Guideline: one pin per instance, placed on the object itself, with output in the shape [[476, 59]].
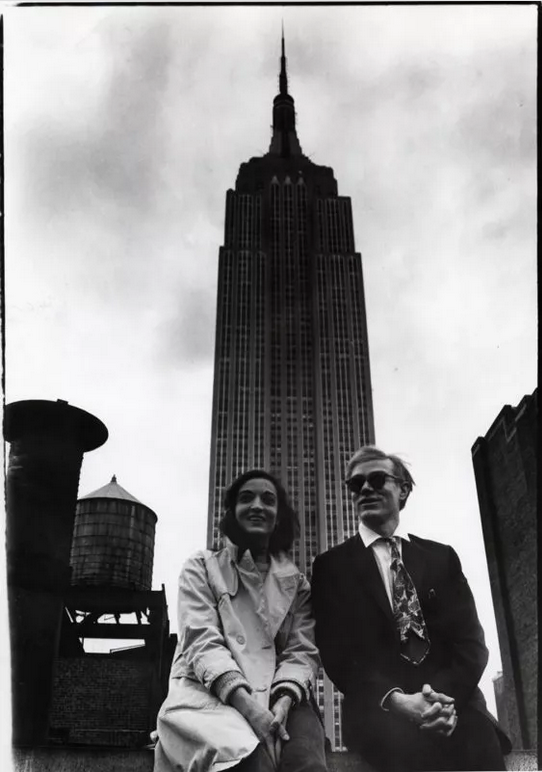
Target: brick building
[[100, 699], [505, 466]]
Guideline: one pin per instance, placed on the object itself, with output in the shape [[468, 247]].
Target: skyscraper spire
[[283, 77], [284, 141]]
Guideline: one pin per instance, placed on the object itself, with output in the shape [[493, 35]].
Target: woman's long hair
[[287, 525]]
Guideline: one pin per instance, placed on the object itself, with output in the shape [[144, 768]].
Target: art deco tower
[[292, 387]]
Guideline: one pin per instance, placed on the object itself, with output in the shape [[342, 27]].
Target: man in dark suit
[[399, 636]]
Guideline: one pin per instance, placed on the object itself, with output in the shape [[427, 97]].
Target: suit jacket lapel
[[366, 569], [414, 560]]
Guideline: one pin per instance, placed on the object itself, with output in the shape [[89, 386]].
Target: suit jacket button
[[240, 639]]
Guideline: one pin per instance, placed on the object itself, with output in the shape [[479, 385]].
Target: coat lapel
[[280, 589], [364, 566], [222, 571]]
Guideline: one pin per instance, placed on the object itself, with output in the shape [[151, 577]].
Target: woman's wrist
[[224, 686], [286, 698], [291, 688], [241, 700]]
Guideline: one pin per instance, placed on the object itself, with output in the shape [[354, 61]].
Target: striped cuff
[[291, 688], [385, 697], [227, 683]]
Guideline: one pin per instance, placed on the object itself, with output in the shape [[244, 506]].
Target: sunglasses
[[376, 480]]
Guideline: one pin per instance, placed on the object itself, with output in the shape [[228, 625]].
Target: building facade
[[292, 387], [505, 466]]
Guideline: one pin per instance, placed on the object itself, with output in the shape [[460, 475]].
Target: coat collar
[[368, 536], [280, 586], [280, 564], [280, 589]]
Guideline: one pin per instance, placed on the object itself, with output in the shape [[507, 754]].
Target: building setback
[[292, 387], [505, 466]]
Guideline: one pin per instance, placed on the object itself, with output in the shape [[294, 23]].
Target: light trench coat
[[231, 620]]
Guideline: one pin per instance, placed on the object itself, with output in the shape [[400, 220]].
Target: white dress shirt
[[382, 552]]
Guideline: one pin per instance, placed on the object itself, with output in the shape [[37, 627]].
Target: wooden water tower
[[115, 650], [113, 540]]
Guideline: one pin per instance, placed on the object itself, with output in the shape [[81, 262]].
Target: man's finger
[[440, 725], [438, 721], [433, 696], [447, 710], [430, 694], [446, 732], [452, 728], [434, 710], [443, 698]]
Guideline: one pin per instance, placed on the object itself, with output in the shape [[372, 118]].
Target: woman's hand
[[280, 710], [267, 725]]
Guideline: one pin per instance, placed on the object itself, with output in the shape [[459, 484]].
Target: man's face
[[378, 508]]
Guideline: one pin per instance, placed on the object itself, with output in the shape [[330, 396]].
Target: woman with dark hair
[[240, 694]]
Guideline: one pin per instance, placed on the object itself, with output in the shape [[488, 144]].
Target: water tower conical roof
[[112, 491], [113, 540]]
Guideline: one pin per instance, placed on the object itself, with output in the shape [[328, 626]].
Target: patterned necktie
[[407, 611]]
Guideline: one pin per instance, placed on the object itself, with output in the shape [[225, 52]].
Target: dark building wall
[[505, 465], [501, 703], [103, 700]]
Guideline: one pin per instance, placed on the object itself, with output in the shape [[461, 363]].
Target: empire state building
[[292, 385]]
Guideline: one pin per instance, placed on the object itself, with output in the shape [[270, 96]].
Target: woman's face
[[256, 508]]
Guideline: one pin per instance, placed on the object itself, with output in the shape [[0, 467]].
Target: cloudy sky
[[124, 127]]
